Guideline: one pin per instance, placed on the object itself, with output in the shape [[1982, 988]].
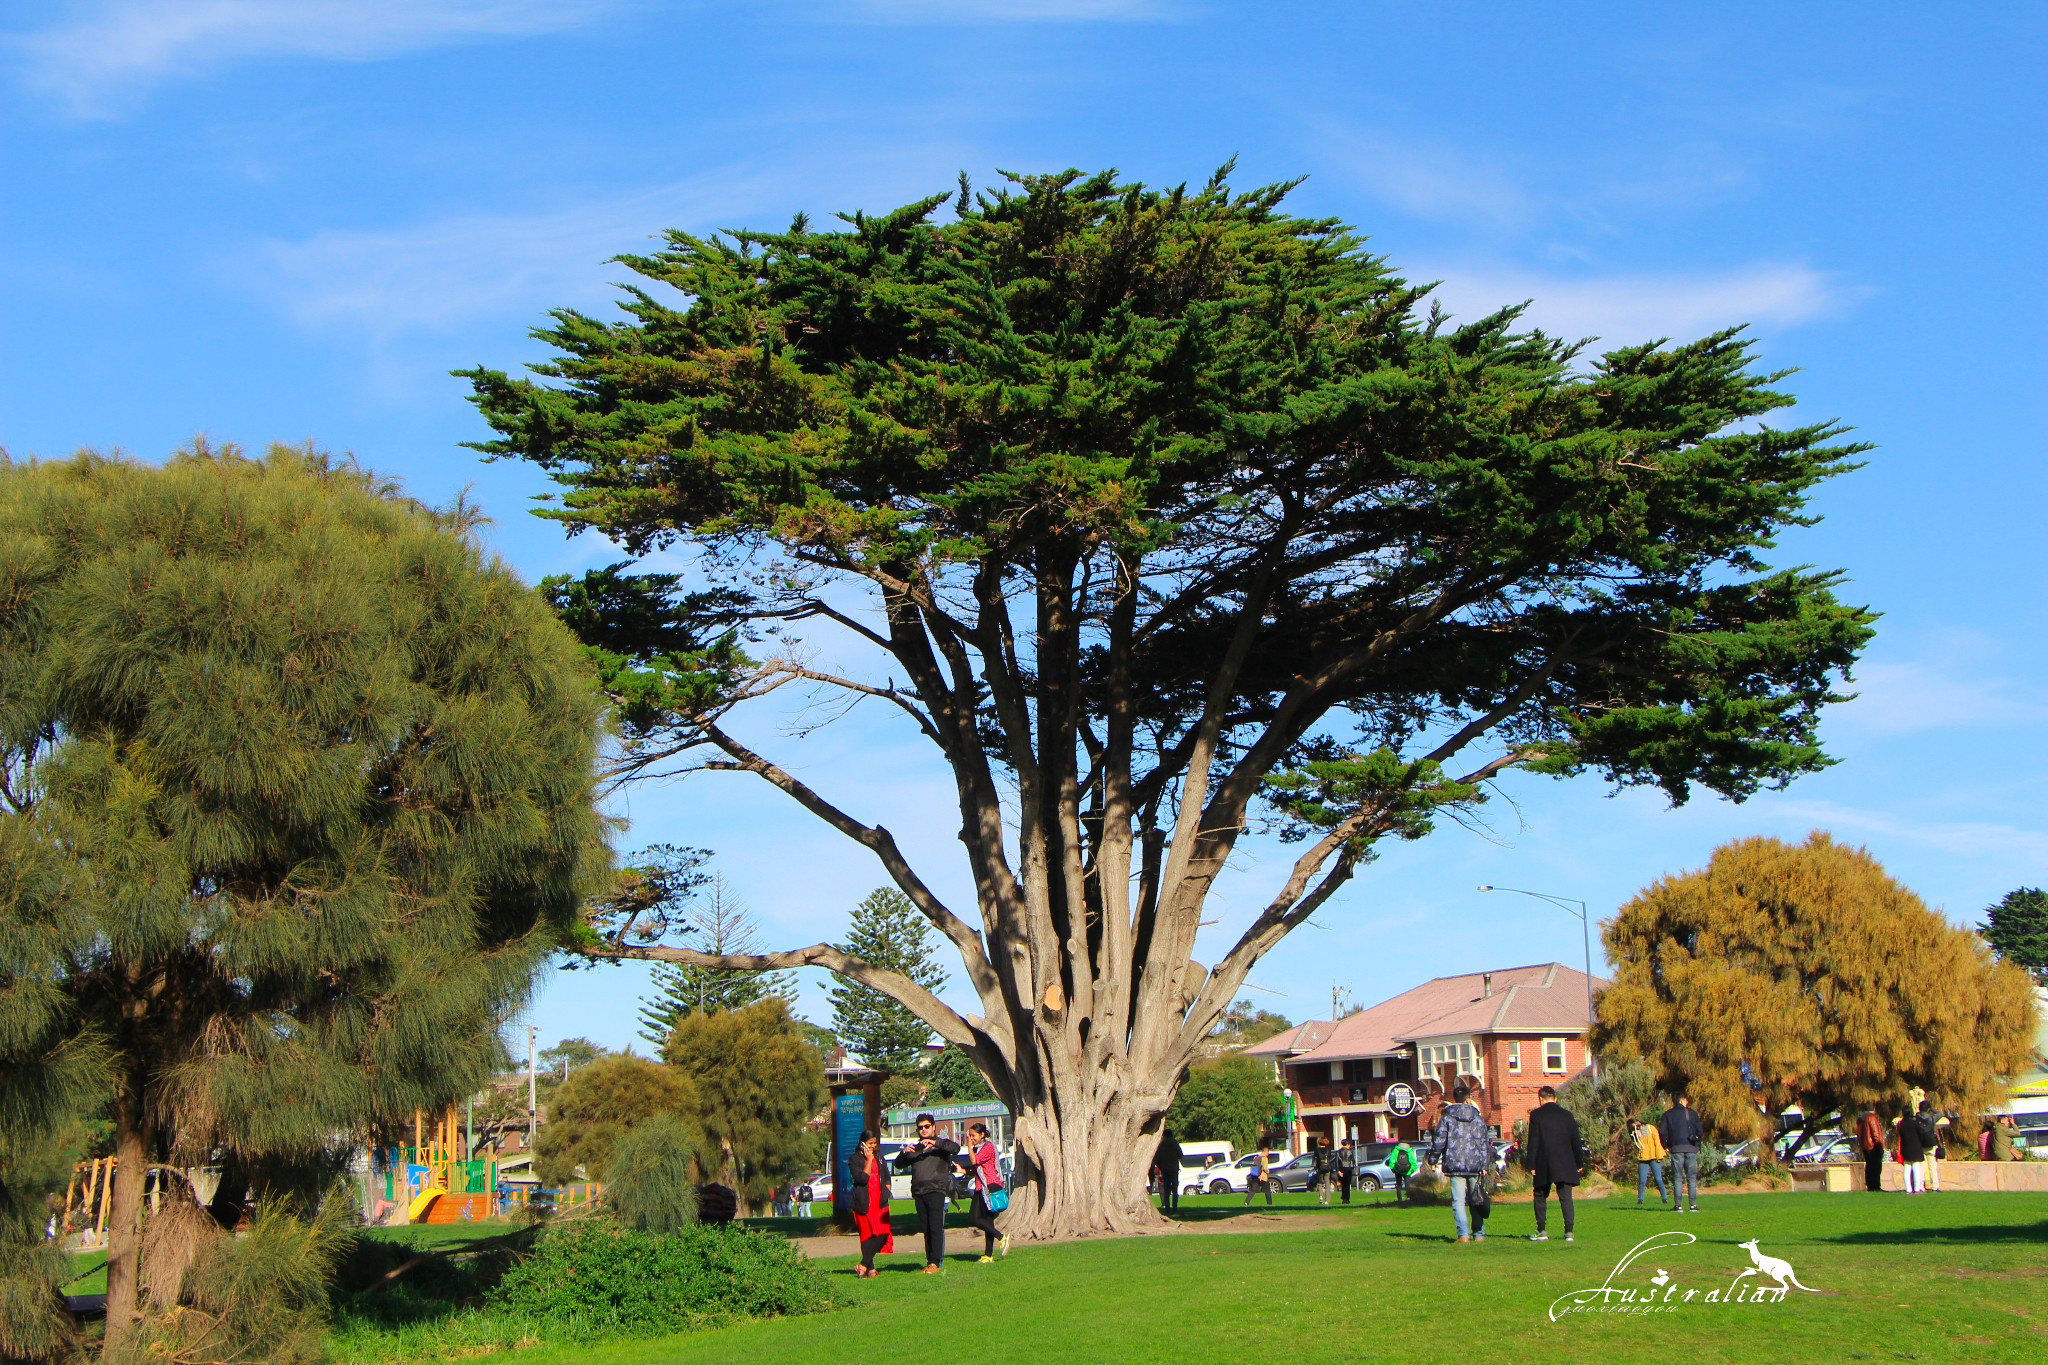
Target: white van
[[1198, 1157]]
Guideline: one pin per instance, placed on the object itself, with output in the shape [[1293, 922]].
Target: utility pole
[[532, 1090]]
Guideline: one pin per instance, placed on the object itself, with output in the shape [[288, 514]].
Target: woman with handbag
[[990, 1198], [868, 1183]]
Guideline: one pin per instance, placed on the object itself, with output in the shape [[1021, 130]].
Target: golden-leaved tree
[[1801, 974]]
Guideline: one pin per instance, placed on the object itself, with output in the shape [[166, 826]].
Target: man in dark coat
[[1166, 1160], [1683, 1133], [1553, 1158], [1870, 1134], [930, 1163]]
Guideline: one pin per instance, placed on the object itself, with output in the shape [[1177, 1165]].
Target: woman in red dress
[[869, 1184]]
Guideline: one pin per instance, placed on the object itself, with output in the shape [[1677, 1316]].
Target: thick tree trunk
[[124, 1224], [1080, 1168]]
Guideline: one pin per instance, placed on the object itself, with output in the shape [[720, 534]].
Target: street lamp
[[1585, 936]]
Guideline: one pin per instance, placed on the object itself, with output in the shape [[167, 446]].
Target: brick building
[[1504, 1033]]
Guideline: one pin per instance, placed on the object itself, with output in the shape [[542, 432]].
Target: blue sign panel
[[849, 1118]]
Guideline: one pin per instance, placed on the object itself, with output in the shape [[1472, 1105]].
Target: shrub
[[255, 1299], [600, 1278], [648, 1183]]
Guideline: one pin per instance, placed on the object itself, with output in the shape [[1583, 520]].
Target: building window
[[1514, 1059], [1553, 1056], [1379, 1068]]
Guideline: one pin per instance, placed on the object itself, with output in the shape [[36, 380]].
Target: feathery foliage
[[888, 932], [649, 1182], [1811, 970], [597, 1106], [298, 801], [758, 1083]]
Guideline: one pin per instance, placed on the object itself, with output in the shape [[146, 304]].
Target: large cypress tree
[[298, 802], [1154, 505], [888, 932]]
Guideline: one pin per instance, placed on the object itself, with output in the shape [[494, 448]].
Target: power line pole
[[532, 1090]]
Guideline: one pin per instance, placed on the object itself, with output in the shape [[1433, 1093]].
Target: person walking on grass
[[1166, 1160], [1326, 1170], [1462, 1150], [868, 1187], [1554, 1159], [1257, 1179], [1347, 1166], [1909, 1145], [988, 1183], [1682, 1132], [1870, 1137], [930, 1163], [1930, 1141], [1401, 1161], [1649, 1160]]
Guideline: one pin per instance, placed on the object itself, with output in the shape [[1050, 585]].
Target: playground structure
[[435, 1180], [431, 1181], [441, 1184]]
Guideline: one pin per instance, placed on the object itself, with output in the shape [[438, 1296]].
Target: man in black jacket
[[1683, 1133], [1553, 1158], [1166, 1161], [930, 1163]]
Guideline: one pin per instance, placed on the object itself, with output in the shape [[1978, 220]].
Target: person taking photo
[[930, 1163]]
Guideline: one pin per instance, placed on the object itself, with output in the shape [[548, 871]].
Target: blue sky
[[283, 219]]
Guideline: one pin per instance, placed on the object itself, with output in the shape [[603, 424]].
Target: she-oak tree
[[1158, 505]]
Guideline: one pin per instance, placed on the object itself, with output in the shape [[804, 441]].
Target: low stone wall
[[2029, 1176]]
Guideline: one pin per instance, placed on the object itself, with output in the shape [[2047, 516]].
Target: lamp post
[[1585, 937]]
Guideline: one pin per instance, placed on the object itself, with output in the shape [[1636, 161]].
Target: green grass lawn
[[1944, 1277]]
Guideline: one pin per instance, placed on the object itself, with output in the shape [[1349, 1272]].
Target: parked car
[[2034, 1141], [1827, 1149], [821, 1186], [1197, 1159], [1226, 1177], [1743, 1153], [1373, 1171]]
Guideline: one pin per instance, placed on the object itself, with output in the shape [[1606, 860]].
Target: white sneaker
[[1569, 1238], [1539, 1236]]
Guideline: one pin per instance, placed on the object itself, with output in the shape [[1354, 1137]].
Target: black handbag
[[1479, 1197]]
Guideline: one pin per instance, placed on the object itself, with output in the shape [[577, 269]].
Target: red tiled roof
[[1300, 1038], [1548, 997]]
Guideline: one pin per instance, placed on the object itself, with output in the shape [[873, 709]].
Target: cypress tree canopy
[[297, 785]]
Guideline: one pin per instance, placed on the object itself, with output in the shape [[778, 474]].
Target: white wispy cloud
[[1961, 838], [1639, 305], [1949, 688], [103, 55], [442, 274]]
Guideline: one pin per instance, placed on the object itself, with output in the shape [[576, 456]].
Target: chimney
[[1486, 983]]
